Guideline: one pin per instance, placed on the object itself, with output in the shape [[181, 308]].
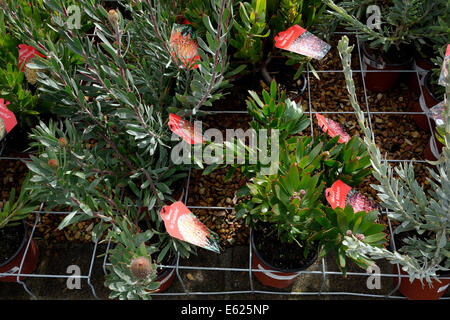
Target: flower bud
[[141, 268], [360, 236], [348, 233], [53, 163], [62, 142], [31, 75], [325, 154], [113, 17]]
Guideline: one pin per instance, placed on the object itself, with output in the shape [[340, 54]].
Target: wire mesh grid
[[323, 273]]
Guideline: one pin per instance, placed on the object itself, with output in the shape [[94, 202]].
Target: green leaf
[[374, 237], [243, 191]]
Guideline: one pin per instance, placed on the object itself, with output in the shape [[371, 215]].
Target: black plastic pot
[[299, 90], [272, 276], [12, 264], [284, 78], [379, 81]]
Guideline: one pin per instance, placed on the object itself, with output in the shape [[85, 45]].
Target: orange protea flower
[[183, 43], [53, 163]]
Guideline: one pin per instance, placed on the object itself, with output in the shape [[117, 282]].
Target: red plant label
[[301, 41], [185, 130], [340, 194], [444, 71], [181, 224], [333, 128], [337, 194], [184, 45], [26, 53], [7, 119]]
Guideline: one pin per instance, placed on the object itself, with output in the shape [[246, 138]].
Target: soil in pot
[[17, 142], [433, 89], [376, 60], [277, 264], [12, 252], [284, 76], [235, 99], [12, 238], [283, 256]]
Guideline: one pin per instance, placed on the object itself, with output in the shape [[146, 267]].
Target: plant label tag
[[184, 45], [26, 53], [437, 113], [182, 224], [337, 194], [443, 288], [7, 119], [301, 41], [340, 194], [185, 130], [444, 71], [333, 128]]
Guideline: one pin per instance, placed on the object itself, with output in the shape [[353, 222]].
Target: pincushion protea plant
[[132, 272], [426, 249], [112, 160]]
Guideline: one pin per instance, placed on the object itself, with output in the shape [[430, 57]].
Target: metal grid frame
[[323, 273]]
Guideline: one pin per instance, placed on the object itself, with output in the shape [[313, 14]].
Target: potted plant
[[424, 62], [291, 223], [405, 25], [252, 38], [291, 227], [18, 82], [15, 255], [431, 93], [110, 158], [134, 271], [422, 245]]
